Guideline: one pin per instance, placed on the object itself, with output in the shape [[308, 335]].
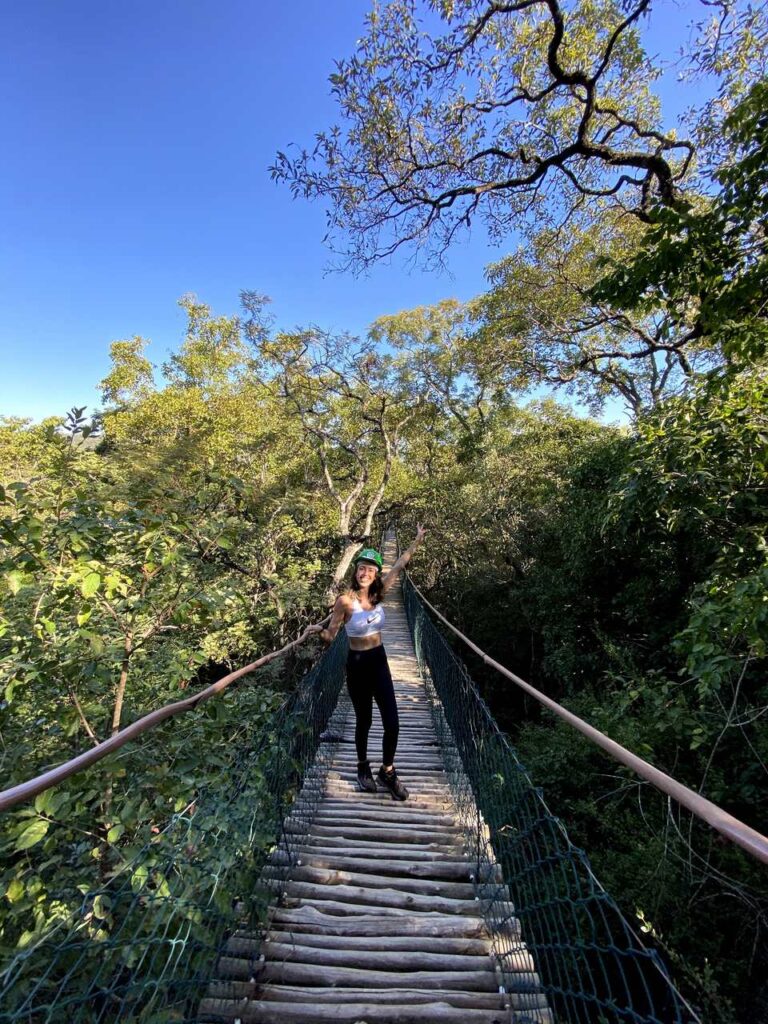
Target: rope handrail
[[32, 787], [737, 831]]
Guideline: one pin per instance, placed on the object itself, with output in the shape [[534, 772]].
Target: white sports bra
[[364, 622]]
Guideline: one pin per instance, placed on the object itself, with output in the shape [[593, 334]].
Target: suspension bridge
[[466, 903]]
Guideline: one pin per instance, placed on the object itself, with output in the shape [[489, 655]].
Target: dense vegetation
[[626, 576], [208, 513]]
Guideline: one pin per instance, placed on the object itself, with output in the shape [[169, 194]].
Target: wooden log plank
[[345, 912], [423, 866], [382, 807], [431, 786], [436, 779], [380, 898], [422, 943], [417, 741], [410, 763], [396, 819], [447, 849], [342, 908], [418, 737], [407, 851], [422, 886], [413, 765], [278, 877], [408, 815], [386, 817], [421, 783], [342, 799], [416, 751], [521, 970], [375, 960], [418, 788], [371, 924], [332, 792], [240, 990], [420, 741], [418, 718], [388, 830], [349, 1013], [349, 790], [308, 974], [382, 834], [448, 870], [420, 797]]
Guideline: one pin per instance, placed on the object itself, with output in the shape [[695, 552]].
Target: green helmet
[[369, 555]]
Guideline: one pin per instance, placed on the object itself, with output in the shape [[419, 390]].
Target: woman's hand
[[322, 633], [420, 533]]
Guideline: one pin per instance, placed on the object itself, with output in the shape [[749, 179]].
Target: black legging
[[369, 679]]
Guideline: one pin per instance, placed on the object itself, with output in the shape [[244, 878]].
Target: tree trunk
[[351, 548], [117, 713]]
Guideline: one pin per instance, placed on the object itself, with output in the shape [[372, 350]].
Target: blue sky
[[136, 140]]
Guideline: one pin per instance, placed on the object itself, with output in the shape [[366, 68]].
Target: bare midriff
[[364, 643]]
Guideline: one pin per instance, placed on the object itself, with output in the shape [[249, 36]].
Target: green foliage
[[701, 471], [515, 113], [625, 575], [541, 324], [130, 378], [199, 522], [191, 537], [706, 261]]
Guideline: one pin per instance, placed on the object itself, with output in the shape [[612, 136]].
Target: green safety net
[[143, 946], [588, 961]]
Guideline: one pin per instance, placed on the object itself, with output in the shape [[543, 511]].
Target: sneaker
[[392, 783], [365, 778]]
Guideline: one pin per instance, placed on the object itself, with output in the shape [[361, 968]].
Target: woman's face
[[365, 573]]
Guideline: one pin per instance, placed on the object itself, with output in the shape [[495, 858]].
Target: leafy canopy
[[516, 110]]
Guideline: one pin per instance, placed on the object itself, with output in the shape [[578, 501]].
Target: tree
[[216, 416], [730, 46], [701, 472], [540, 325], [353, 405], [131, 376], [436, 341], [541, 322], [624, 574], [215, 351], [707, 263], [24, 447], [519, 110]]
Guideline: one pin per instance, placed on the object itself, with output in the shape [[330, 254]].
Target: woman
[[368, 675]]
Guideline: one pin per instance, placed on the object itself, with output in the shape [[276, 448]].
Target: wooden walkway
[[378, 920]]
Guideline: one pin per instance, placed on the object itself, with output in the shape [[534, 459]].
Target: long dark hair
[[375, 590]]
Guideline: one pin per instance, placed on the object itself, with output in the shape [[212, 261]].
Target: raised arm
[[391, 577], [337, 617]]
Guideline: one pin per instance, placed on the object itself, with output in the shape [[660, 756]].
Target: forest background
[[215, 505]]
